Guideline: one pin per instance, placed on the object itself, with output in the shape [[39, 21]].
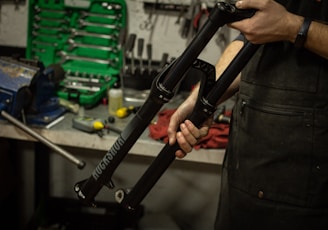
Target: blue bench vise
[[28, 90]]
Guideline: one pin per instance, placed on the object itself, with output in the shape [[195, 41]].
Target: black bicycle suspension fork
[[161, 92], [204, 108]]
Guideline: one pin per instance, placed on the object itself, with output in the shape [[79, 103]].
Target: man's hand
[[271, 22], [189, 134]]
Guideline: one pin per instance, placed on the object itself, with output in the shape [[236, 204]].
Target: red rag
[[217, 136], [158, 131]]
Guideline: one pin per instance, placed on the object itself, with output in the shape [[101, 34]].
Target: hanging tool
[[181, 13], [37, 10], [44, 43], [200, 17], [163, 62], [130, 52], [84, 14], [67, 57], [148, 24], [163, 90], [47, 35], [151, 33], [73, 44], [140, 46], [50, 19], [148, 71], [51, 28], [83, 23], [121, 46], [188, 20], [77, 33]]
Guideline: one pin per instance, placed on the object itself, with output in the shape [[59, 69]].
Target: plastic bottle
[[115, 98]]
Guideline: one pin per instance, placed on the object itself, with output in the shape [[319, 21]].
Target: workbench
[[200, 166], [64, 135]]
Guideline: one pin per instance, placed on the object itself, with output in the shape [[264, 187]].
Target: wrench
[[66, 57], [58, 20], [88, 14], [81, 87], [84, 23], [139, 52], [74, 44], [81, 79], [39, 10], [37, 27], [86, 79], [36, 34], [44, 43], [91, 86], [35, 50], [149, 56], [76, 33]]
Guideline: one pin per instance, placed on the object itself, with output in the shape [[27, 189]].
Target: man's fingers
[[171, 130], [193, 129], [180, 154], [190, 132], [184, 143]]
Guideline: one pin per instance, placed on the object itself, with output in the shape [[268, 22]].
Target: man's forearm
[[317, 39], [228, 55], [317, 35]]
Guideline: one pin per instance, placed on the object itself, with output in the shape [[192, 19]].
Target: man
[[275, 173]]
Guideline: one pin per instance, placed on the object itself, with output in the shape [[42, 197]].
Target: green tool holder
[[84, 37]]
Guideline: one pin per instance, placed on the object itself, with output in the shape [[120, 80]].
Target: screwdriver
[[93, 125], [126, 111], [88, 124]]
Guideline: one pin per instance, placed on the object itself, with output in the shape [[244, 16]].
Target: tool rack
[[82, 36]]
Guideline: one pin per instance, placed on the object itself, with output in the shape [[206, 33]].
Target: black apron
[[275, 173]]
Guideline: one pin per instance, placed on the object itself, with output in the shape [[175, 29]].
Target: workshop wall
[[166, 35]]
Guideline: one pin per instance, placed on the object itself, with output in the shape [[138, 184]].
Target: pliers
[[200, 17]]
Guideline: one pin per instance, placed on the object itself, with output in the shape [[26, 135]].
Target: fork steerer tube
[[220, 15], [161, 92], [200, 113]]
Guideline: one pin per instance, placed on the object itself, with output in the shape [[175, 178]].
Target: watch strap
[[302, 34]]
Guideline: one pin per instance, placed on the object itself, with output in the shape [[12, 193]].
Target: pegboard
[[166, 34]]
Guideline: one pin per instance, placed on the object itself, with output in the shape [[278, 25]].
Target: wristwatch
[[302, 34]]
